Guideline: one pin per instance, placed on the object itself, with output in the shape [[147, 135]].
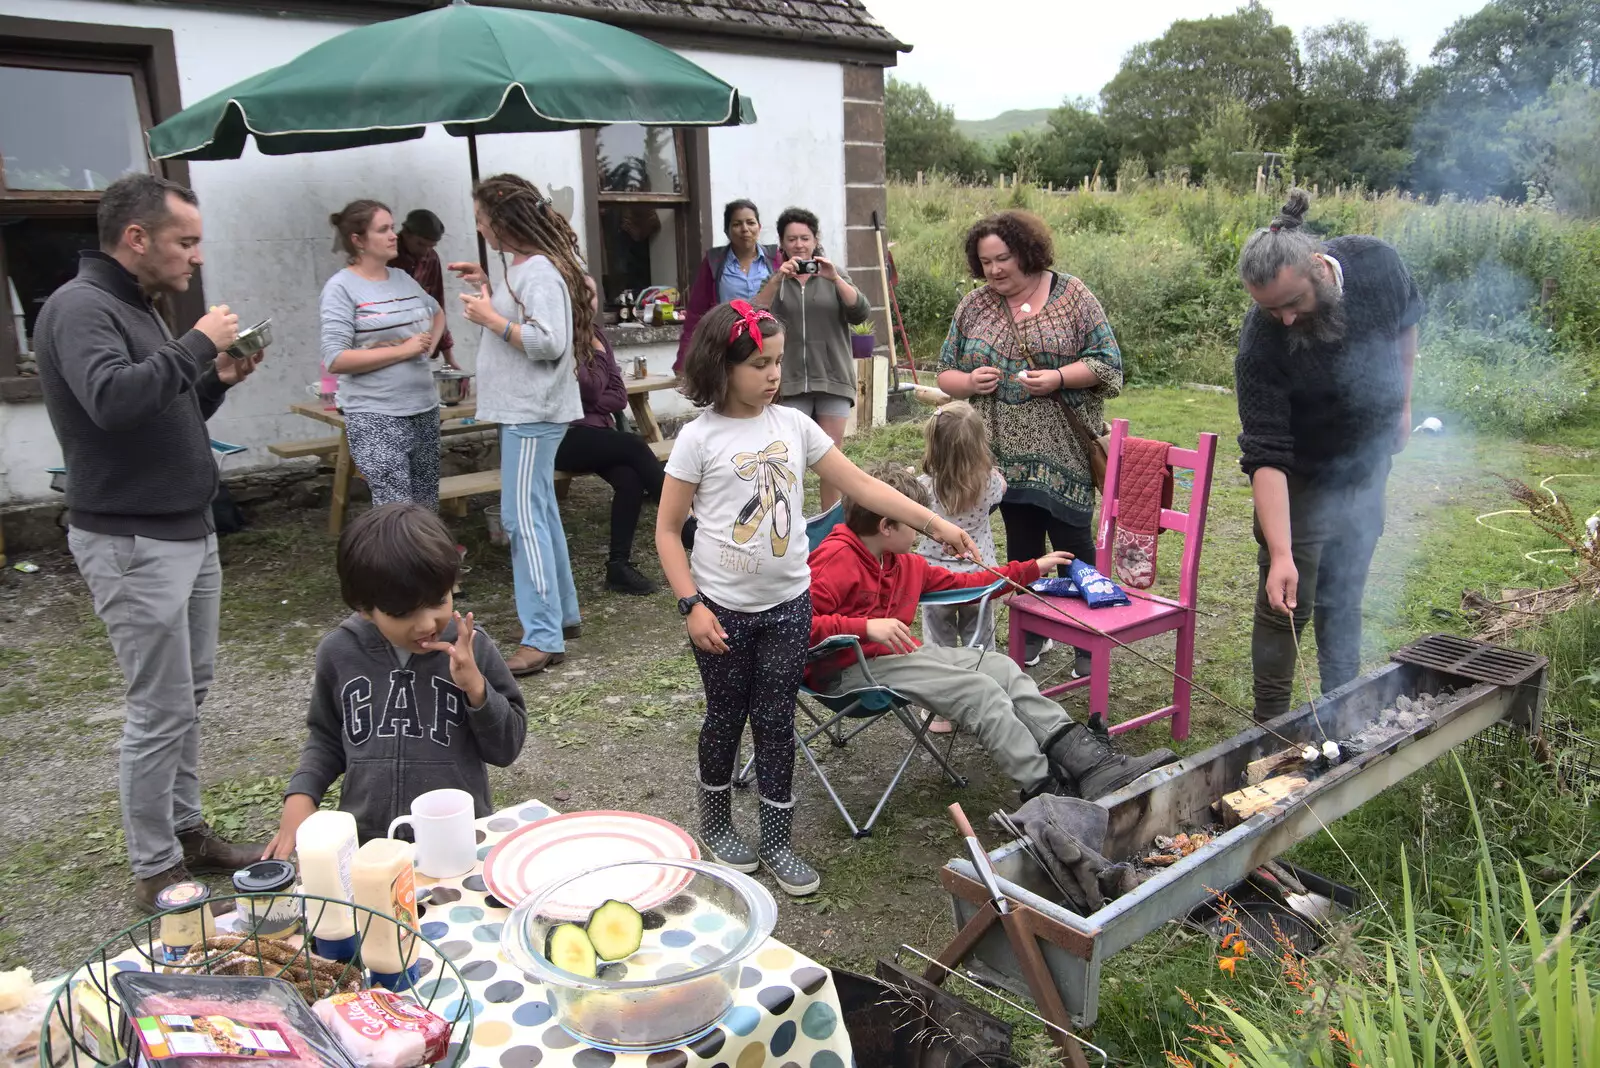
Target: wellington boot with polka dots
[[795, 877], [722, 841]]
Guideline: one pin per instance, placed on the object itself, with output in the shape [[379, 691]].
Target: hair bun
[[336, 218], [1294, 210]]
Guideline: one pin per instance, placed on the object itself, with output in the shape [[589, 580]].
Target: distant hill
[[1003, 124]]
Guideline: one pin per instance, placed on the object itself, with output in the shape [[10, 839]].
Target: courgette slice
[[567, 946], [616, 930]]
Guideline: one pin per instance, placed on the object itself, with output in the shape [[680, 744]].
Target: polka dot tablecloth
[[785, 1013]]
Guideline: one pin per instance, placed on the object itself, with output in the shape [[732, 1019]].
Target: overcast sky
[[983, 57]]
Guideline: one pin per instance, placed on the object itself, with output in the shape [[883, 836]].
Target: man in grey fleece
[[129, 404]]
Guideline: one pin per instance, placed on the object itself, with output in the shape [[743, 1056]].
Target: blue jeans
[[547, 599]]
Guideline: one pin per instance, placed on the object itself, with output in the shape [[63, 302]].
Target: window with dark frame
[[645, 217], [75, 102]]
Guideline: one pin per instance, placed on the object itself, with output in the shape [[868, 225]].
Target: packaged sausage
[[218, 1021]]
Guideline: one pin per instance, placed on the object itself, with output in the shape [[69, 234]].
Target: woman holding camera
[[817, 305]]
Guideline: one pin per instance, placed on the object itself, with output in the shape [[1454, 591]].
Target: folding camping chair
[[842, 716]]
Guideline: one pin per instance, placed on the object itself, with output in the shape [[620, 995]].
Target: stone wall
[[260, 492]]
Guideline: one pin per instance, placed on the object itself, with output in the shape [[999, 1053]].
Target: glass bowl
[[701, 921]]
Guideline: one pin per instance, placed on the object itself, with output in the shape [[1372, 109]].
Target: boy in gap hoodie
[[866, 581], [409, 697]]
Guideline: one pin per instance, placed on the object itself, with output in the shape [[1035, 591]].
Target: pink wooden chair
[[1148, 615]]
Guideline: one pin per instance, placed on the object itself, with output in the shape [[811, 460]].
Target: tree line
[[1508, 107]]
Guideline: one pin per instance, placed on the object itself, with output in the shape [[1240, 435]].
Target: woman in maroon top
[[594, 445]]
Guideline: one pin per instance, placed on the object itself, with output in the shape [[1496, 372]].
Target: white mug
[[441, 822]]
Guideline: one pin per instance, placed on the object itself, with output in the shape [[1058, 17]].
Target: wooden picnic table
[[462, 418]]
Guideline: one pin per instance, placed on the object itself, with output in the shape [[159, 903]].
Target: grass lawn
[[615, 726]]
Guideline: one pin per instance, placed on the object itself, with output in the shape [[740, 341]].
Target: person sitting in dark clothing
[[594, 445]]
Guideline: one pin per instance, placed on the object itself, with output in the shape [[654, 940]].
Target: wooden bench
[[296, 450], [329, 447], [474, 483]]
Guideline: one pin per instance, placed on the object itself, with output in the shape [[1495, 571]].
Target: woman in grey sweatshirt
[[378, 334], [817, 303], [528, 383]]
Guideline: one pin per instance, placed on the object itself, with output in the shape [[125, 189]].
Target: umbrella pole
[[472, 162]]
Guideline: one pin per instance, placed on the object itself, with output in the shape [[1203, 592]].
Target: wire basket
[[1574, 757], [86, 1005], [1577, 757]]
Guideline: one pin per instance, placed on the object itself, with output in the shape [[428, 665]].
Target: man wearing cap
[[420, 233]]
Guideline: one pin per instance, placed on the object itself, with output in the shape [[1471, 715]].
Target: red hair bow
[[749, 322]]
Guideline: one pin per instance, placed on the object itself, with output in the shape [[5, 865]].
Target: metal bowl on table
[[701, 921], [251, 341], [454, 386]]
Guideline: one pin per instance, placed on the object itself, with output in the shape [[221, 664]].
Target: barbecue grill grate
[[1471, 659]]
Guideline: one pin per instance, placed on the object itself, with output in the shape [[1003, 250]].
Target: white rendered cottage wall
[[267, 239]]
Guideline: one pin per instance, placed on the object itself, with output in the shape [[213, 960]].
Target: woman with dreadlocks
[[528, 383]]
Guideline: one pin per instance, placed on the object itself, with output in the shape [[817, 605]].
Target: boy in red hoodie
[[866, 581]]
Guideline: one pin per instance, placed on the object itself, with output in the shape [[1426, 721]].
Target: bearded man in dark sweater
[[129, 404], [1324, 383]]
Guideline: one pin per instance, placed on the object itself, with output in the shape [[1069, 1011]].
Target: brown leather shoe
[[205, 853], [145, 890], [530, 661]]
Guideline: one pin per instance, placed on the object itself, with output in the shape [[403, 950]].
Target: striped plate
[[543, 852]]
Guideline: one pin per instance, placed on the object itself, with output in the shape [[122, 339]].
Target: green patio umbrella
[[473, 69]]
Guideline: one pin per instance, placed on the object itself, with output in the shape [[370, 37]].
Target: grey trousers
[[159, 601], [1333, 534], [984, 692], [955, 624]]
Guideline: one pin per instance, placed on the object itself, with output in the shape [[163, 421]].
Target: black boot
[[623, 577], [1049, 785], [717, 831], [795, 876], [1081, 756]]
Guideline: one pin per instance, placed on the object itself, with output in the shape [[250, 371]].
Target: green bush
[[1095, 215], [1496, 381]]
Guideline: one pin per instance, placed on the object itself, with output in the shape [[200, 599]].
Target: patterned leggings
[[398, 455], [755, 680]]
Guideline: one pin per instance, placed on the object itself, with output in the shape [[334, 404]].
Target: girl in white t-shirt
[[745, 594]]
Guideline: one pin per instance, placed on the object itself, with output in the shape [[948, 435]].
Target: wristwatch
[[686, 604]]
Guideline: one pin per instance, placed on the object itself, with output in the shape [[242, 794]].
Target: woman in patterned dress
[[1066, 347]]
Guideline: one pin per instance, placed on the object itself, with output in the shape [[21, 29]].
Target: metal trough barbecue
[[1180, 797]]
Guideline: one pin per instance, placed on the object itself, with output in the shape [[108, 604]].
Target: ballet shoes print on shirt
[[771, 480]]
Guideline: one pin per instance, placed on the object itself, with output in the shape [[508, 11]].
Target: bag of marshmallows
[[379, 1029]]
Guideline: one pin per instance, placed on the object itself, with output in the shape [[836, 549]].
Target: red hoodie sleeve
[[831, 580], [936, 579]]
